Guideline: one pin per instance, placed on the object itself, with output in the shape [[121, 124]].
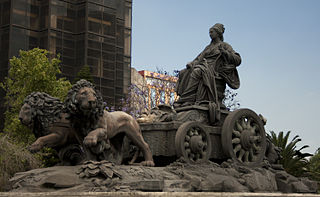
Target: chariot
[[238, 135]]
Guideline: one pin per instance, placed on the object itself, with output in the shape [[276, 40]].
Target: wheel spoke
[[239, 127], [256, 148], [205, 144], [242, 152], [246, 156], [235, 140], [187, 138], [251, 154], [255, 139], [243, 123], [249, 122], [236, 133], [237, 148], [253, 129]]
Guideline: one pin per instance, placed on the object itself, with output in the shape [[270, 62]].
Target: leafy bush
[[314, 168], [14, 158], [32, 71], [294, 161]]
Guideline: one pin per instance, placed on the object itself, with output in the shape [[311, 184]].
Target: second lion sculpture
[[43, 114], [97, 126]]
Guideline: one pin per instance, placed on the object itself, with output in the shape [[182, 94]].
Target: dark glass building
[[84, 32]]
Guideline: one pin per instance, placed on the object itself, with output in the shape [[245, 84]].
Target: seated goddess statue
[[205, 78]]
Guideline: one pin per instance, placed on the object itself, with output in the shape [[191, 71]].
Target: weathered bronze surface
[[100, 129], [205, 78], [50, 125], [195, 132]]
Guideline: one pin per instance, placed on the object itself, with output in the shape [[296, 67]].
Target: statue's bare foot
[[147, 163]]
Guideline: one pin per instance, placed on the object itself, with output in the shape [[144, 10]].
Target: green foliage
[[293, 160], [314, 168], [84, 73], [32, 71], [314, 165], [14, 158]]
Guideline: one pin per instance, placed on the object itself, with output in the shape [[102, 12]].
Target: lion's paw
[[147, 163], [90, 140], [35, 147]]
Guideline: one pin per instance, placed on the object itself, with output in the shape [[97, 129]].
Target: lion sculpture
[[43, 114], [98, 127]]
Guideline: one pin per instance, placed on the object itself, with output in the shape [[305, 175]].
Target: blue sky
[[279, 42]]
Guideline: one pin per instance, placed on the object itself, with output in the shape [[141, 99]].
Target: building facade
[[96, 33], [155, 88]]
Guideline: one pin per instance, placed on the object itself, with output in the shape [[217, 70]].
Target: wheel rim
[[193, 142], [243, 137]]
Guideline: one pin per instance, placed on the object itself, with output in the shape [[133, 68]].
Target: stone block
[[258, 182], [177, 186]]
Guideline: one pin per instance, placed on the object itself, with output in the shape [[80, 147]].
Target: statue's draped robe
[[208, 73]]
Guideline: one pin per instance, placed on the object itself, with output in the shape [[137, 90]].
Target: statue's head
[[42, 109], [84, 99], [217, 30]]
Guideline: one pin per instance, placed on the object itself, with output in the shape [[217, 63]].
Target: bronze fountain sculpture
[[83, 121], [197, 130]]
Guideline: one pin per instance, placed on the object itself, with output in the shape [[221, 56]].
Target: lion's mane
[[74, 110], [45, 111]]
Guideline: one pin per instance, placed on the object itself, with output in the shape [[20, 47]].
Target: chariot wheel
[[193, 142], [243, 137]]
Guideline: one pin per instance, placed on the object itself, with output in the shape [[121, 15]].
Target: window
[[172, 98], [162, 97], [5, 12], [152, 97], [94, 18]]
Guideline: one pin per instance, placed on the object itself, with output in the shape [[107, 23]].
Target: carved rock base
[[179, 176]]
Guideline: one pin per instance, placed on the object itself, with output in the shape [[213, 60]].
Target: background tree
[[314, 168], [84, 73], [156, 89], [32, 71], [293, 160], [164, 83], [14, 158], [230, 100]]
